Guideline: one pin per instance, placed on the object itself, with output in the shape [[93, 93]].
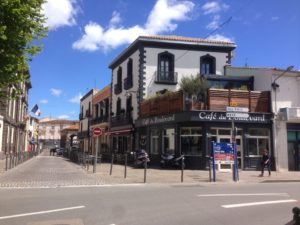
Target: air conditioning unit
[[290, 114]]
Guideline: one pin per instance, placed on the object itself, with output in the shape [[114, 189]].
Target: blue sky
[[86, 35]]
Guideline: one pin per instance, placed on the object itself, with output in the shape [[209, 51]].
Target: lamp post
[[274, 86]]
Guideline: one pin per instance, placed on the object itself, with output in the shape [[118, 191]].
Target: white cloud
[[274, 18], [161, 19], [219, 37], [115, 20], [44, 101], [76, 98], [214, 24], [55, 92], [60, 13], [214, 7], [63, 117]]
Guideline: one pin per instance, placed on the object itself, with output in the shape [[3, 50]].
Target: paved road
[[150, 204], [48, 171]]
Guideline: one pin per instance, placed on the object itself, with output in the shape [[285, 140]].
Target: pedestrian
[[265, 162]]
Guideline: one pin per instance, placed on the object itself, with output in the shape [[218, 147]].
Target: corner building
[[171, 122]]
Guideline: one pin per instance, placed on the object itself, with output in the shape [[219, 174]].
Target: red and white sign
[[97, 131]]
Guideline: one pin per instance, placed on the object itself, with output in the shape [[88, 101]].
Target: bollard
[[209, 167], [6, 162], [111, 164], [125, 170], [88, 162], [182, 168], [145, 171], [296, 216], [9, 160]]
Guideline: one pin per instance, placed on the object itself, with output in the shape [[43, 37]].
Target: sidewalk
[[172, 176]]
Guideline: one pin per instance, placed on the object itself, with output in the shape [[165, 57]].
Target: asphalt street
[[53, 191], [150, 204]]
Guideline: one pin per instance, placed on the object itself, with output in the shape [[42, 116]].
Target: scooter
[[141, 157], [169, 160]]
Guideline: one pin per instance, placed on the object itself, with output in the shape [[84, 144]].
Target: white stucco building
[[284, 85], [85, 117]]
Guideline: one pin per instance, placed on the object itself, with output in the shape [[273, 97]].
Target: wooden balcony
[[217, 100]]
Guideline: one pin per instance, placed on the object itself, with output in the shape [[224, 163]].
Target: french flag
[[36, 110]]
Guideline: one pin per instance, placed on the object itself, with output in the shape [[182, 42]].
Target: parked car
[[60, 151]]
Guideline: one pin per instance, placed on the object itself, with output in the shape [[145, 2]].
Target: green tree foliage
[[194, 86], [21, 24]]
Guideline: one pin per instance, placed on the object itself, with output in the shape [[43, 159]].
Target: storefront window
[[191, 140], [257, 140], [154, 141], [169, 140]]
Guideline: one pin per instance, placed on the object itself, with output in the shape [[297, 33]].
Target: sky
[[86, 35]]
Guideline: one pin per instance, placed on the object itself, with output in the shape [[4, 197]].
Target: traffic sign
[[239, 115], [97, 131], [237, 109]]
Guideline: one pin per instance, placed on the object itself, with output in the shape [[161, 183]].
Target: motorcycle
[[140, 158], [169, 160]]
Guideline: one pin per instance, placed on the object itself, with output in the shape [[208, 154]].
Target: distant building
[[50, 130], [32, 134], [68, 137], [100, 119], [13, 118], [85, 117]]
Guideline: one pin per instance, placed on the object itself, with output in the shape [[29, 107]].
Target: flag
[[36, 110]]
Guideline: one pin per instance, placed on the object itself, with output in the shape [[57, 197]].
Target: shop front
[[293, 136], [191, 134]]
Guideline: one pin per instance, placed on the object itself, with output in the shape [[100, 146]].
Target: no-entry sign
[[97, 131]]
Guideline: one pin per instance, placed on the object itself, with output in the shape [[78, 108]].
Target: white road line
[[246, 194], [258, 203], [41, 212]]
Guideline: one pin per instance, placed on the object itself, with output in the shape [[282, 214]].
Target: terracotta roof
[[72, 127], [185, 39]]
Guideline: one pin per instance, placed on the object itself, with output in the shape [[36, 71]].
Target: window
[[128, 104], [191, 140], [207, 65], [169, 141], [128, 81], [166, 68], [118, 106], [118, 85], [154, 147], [257, 140]]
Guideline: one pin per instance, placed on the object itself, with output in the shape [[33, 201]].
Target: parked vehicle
[[140, 157], [169, 160], [60, 151]]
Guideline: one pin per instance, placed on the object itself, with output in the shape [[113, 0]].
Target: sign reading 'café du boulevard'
[[199, 116], [223, 117], [157, 120]]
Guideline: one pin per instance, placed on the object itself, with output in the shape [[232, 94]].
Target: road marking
[[258, 203], [41, 212], [246, 194]]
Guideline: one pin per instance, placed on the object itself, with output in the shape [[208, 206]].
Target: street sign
[[237, 109], [97, 131], [239, 115]]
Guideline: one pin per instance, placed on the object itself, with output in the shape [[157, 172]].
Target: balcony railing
[[122, 119], [166, 77], [128, 83], [117, 89], [217, 100], [98, 120]]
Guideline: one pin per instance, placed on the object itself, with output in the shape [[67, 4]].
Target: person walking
[[265, 162]]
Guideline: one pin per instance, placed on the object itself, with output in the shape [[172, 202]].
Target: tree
[[21, 24], [195, 87]]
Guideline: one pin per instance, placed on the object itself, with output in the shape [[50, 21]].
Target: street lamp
[[274, 84]]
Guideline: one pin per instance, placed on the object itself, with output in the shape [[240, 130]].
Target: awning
[[117, 132]]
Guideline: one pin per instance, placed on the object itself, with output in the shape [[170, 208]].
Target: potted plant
[[195, 91]]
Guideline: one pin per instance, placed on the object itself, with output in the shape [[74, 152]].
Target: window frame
[[211, 61]]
